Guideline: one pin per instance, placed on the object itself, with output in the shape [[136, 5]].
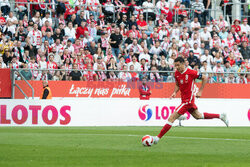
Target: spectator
[[228, 5], [245, 27], [198, 9], [245, 51], [134, 75], [21, 8], [206, 69], [148, 9], [75, 75], [93, 8], [142, 24], [81, 29], [5, 7], [136, 65], [230, 78], [154, 76], [70, 32], [195, 24], [144, 90], [164, 67], [192, 59], [124, 75], [207, 12], [115, 42]]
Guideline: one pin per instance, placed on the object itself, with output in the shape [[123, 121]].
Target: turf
[[121, 146]]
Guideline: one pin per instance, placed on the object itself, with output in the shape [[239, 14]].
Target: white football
[[147, 140]]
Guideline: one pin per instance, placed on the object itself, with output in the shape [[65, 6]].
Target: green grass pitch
[[121, 146]]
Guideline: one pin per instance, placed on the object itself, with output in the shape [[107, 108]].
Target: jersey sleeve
[[196, 75]]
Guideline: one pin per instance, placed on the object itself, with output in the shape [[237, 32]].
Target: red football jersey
[[186, 84]]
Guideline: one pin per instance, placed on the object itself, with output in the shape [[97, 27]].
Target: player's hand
[[173, 95], [198, 95]]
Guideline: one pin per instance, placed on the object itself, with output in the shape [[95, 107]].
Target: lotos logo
[[249, 114], [145, 113], [158, 112]]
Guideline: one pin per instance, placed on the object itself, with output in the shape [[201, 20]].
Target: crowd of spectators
[[84, 41]]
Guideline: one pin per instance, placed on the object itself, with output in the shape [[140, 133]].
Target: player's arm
[[203, 83], [176, 89]]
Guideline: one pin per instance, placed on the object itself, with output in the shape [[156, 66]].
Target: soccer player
[[185, 79]]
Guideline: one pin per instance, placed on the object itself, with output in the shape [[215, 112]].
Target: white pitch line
[[173, 137]]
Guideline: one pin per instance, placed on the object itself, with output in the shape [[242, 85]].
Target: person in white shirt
[[163, 32], [43, 63], [87, 38], [92, 29], [47, 18], [195, 24], [70, 31], [125, 76], [12, 19], [205, 36], [35, 37], [148, 9], [144, 55], [135, 47], [135, 63], [218, 58], [70, 47], [175, 32], [196, 50], [245, 27], [194, 40], [205, 69], [156, 49], [208, 58], [109, 7], [222, 23]]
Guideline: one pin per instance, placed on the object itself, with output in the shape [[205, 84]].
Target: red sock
[[210, 116], [165, 129]]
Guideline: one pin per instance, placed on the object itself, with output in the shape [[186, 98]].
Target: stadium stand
[[84, 38]]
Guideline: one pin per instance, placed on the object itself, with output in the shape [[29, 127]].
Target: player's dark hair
[[179, 59]]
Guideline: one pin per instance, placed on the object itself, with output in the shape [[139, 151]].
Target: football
[[147, 140]]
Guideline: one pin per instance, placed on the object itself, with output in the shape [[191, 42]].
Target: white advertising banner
[[116, 112]]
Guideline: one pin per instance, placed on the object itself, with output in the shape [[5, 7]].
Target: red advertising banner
[[107, 89], [5, 83]]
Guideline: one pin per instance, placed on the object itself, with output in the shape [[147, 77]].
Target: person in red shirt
[[81, 29], [89, 75], [236, 25], [2, 19], [185, 78], [136, 33], [142, 24], [144, 90]]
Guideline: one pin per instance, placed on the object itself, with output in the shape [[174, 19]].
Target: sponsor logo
[[157, 112], [36, 114], [145, 113]]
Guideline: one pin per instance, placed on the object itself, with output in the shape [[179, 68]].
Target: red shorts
[[184, 107]]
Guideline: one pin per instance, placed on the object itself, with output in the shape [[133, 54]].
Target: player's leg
[[198, 115], [178, 112]]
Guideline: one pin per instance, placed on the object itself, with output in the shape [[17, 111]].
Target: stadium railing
[[16, 75], [156, 10]]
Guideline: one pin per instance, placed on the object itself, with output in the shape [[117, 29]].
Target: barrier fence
[[120, 86]]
